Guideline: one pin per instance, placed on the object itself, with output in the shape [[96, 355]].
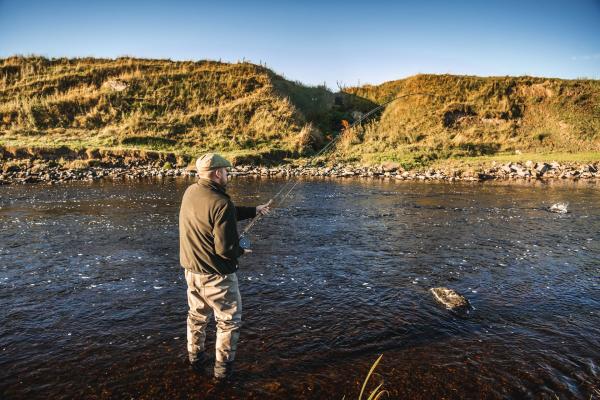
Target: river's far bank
[[52, 172]]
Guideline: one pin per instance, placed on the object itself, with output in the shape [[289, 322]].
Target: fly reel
[[245, 243]]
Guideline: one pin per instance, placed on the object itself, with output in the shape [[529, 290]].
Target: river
[[92, 297]]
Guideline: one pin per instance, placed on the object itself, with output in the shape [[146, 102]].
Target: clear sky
[[314, 42]]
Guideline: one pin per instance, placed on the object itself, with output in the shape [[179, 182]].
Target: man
[[209, 251]]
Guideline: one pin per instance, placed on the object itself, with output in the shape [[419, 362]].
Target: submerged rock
[[560, 208], [451, 299]]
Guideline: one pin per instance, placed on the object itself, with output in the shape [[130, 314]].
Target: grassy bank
[[417, 162], [252, 114], [160, 105], [465, 116]]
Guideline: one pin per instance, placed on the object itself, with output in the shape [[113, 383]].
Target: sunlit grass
[[248, 110], [559, 157], [378, 391]]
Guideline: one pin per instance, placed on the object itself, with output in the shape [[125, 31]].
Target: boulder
[[542, 168], [523, 173], [508, 168], [529, 164], [450, 299]]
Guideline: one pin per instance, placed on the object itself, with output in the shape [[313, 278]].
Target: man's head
[[214, 167]]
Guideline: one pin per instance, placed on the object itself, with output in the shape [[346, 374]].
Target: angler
[[209, 251]]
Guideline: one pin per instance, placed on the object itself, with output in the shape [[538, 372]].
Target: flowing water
[[92, 298]]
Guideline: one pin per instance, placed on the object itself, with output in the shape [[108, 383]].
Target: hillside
[[474, 116], [251, 113], [186, 107]]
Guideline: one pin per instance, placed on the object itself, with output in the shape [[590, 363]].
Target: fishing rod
[[244, 242]]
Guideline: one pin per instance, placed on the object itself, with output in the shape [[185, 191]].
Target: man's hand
[[264, 209]]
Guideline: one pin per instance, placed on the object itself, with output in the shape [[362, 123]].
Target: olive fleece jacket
[[208, 235]]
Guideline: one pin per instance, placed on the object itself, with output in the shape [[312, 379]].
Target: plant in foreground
[[378, 391]]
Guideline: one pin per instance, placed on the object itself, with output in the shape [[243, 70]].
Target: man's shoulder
[[202, 192], [196, 188]]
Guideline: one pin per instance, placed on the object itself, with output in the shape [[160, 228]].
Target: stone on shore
[[40, 170]]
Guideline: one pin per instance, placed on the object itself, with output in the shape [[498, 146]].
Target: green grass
[[420, 160], [486, 161], [151, 142], [536, 157]]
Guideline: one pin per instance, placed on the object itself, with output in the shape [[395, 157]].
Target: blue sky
[[314, 42]]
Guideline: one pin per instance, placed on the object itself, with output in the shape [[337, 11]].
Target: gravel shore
[[39, 171]]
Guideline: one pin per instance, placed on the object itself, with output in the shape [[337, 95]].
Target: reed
[[378, 391]]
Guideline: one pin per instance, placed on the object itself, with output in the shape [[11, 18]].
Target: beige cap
[[211, 161]]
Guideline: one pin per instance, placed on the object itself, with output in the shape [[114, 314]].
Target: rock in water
[[560, 208], [450, 299]]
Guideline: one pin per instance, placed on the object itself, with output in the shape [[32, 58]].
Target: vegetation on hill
[[472, 116], [187, 107], [243, 109]]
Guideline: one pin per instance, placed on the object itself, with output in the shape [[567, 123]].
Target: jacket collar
[[212, 185]]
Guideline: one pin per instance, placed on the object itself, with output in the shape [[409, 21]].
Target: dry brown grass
[[473, 116], [245, 109]]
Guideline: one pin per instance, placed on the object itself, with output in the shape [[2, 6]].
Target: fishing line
[[244, 242]]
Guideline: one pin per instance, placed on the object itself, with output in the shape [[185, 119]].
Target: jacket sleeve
[[245, 212], [226, 238]]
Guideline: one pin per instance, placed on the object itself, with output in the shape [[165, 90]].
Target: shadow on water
[[92, 300]]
